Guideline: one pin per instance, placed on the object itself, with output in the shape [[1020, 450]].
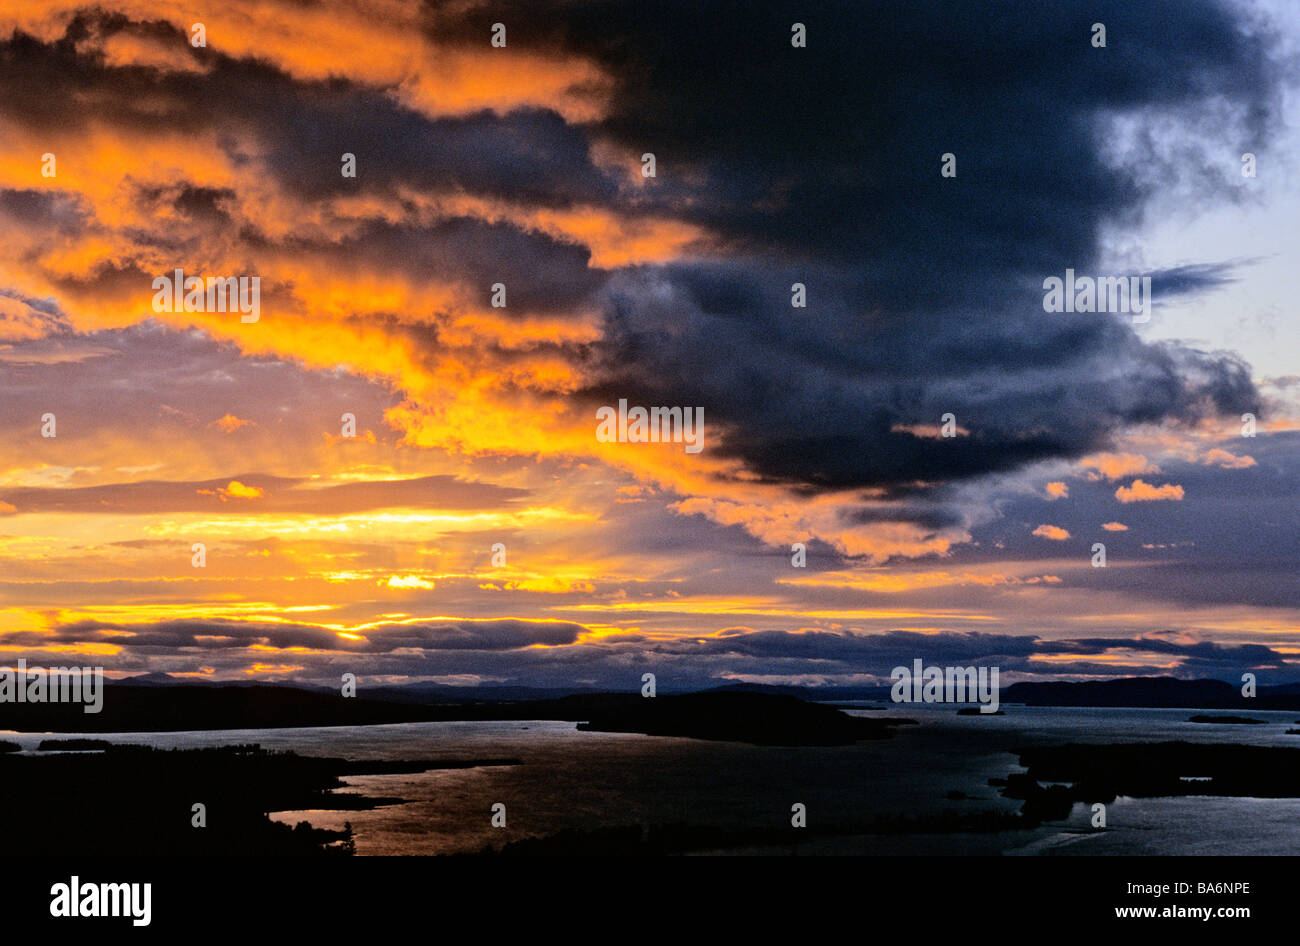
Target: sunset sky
[[476, 425]]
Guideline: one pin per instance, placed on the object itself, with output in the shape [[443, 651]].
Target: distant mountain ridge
[[1153, 692], [428, 692], [1137, 692]]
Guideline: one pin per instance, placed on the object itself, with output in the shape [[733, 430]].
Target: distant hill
[[820, 693], [427, 692], [1154, 692], [759, 718], [489, 693], [400, 693]]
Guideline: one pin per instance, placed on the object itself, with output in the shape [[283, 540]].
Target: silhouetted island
[[1227, 720], [1100, 773], [1167, 692], [757, 718]]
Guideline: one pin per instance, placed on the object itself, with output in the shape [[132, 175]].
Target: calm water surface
[[572, 779]]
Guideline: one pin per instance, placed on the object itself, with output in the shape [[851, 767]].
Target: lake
[[584, 780]]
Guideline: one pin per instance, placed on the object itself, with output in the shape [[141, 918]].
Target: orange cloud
[[1114, 527], [1142, 491], [1114, 466], [385, 44], [236, 490], [409, 581], [613, 239], [230, 423], [1057, 490], [1226, 460], [1055, 533], [927, 431], [19, 321]]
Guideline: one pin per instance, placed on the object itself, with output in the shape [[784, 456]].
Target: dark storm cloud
[[816, 398], [1206, 654], [930, 517], [540, 273], [862, 652], [1192, 278], [822, 166], [839, 144]]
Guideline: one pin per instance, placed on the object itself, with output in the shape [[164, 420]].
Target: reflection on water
[[572, 779]]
